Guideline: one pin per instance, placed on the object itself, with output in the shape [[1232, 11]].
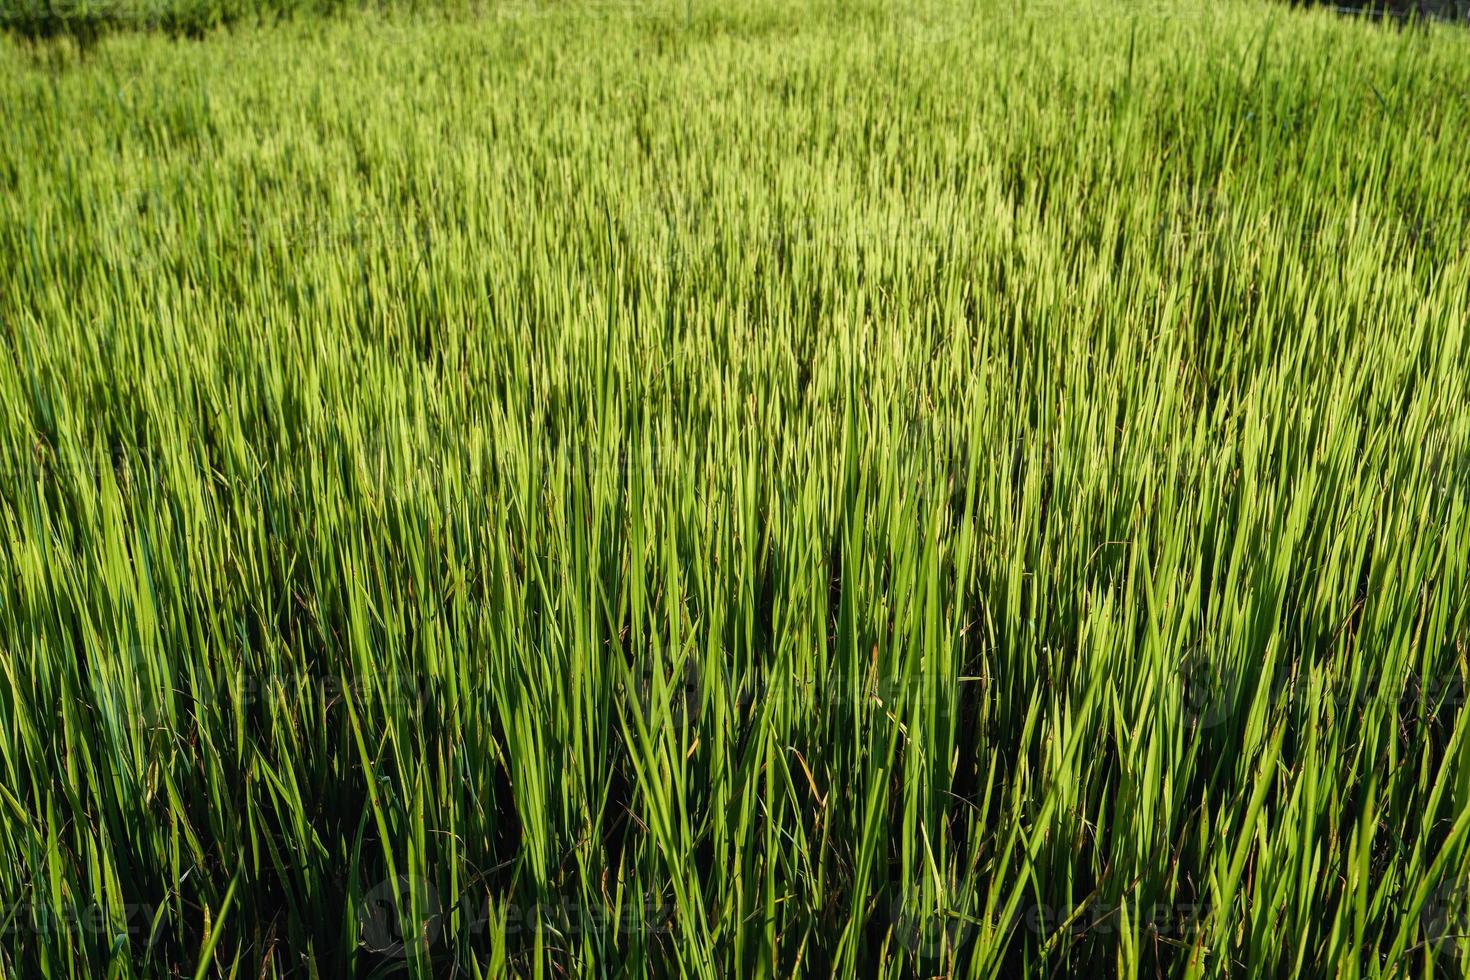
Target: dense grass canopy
[[740, 489]]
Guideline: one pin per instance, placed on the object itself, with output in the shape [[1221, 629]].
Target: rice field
[[751, 489]]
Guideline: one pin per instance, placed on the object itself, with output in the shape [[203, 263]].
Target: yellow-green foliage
[[737, 489]]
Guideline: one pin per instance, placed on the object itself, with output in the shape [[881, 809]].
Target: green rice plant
[[84, 22], [690, 489]]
